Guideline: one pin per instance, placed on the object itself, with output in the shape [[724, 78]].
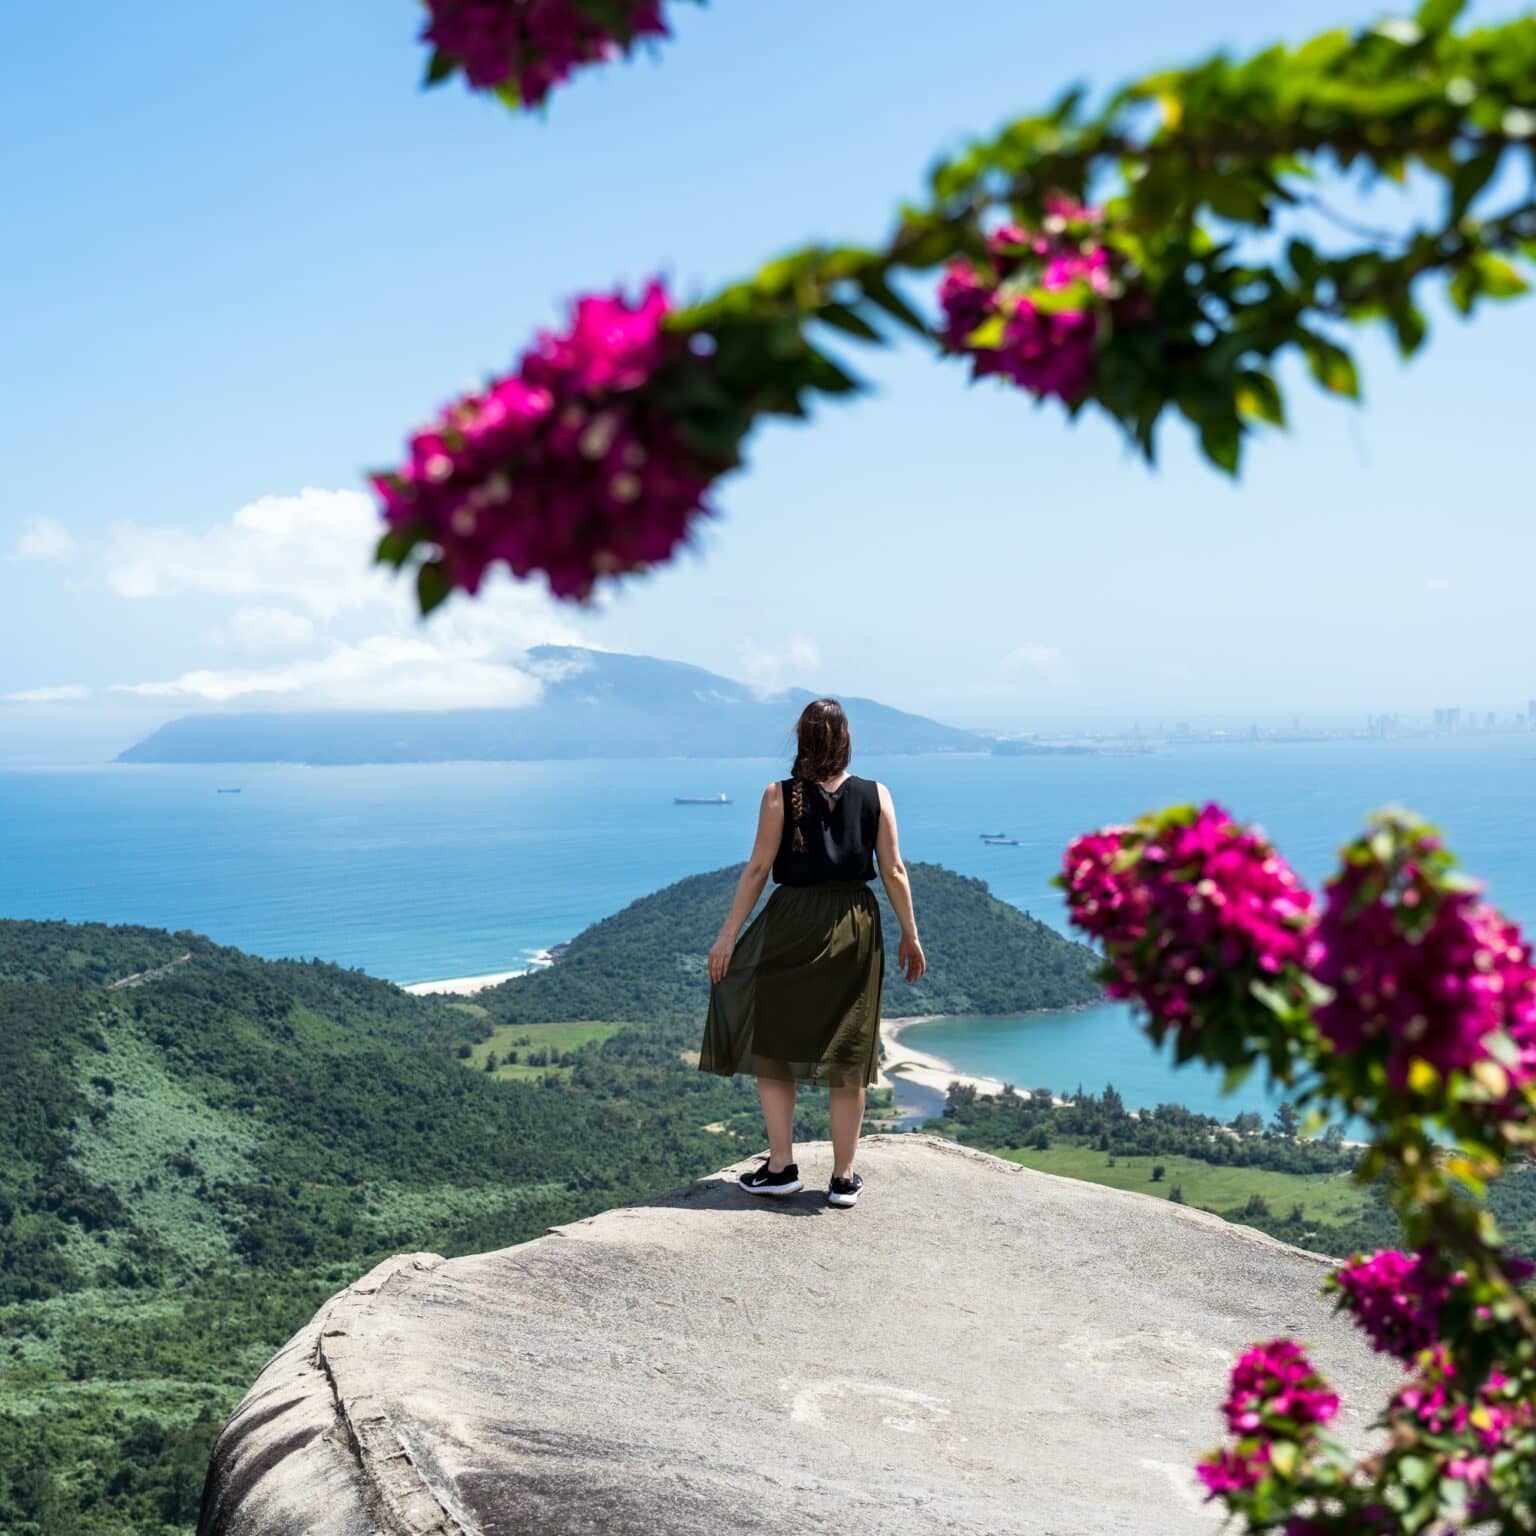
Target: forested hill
[[647, 962], [191, 1161]]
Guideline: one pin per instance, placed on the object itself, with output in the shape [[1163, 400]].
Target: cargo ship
[[721, 799]]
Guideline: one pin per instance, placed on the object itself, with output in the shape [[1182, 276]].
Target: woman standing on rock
[[796, 998]]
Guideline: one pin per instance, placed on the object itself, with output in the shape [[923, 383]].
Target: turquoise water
[[422, 872]]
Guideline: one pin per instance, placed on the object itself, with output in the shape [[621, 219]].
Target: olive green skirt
[[801, 999]]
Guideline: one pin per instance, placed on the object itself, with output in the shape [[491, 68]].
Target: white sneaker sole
[[845, 1199], [776, 1190]]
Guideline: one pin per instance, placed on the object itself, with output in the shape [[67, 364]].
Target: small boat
[[721, 799], [226, 791], [991, 837], [1001, 842]]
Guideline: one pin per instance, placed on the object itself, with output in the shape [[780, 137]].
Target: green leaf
[[1303, 260], [1258, 396], [840, 317], [395, 547], [1408, 325], [1497, 278], [439, 67], [988, 335], [1332, 367], [1221, 441], [1235, 197], [432, 585], [1439, 15], [1470, 177]]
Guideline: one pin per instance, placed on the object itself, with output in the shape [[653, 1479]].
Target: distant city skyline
[[285, 293]]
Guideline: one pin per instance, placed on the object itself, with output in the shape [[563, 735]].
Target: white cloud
[[264, 631], [44, 538], [65, 693], [299, 572], [1047, 662], [1437, 584], [313, 550], [382, 672], [769, 671]]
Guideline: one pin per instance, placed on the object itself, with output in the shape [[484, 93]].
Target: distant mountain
[[594, 704], [646, 963]]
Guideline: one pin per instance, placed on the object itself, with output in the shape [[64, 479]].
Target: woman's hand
[[720, 957], [910, 959]]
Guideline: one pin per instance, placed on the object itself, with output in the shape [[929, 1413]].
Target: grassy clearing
[[1328, 1197], [532, 1040]]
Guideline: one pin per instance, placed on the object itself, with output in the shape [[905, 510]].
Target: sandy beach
[[920, 1068], [463, 986]]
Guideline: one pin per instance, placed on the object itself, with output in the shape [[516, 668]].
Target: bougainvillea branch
[[1403, 998], [1161, 254]]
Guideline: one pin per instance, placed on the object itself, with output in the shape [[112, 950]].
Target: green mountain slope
[[647, 962], [190, 1163]]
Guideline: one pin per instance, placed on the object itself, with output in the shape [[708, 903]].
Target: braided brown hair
[[823, 747]]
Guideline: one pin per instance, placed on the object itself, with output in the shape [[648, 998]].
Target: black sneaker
[[761, 1182], [844, 1191]]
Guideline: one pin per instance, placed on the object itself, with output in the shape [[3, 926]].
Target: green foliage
[[1209, 178], [189, 1166], [648, 961], [1217, 1166]]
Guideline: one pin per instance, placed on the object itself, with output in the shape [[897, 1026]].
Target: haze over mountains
[[594, 704]]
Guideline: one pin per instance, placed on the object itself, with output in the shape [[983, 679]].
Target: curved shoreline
[[922, 1068]]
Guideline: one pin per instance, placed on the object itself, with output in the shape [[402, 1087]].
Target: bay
[[421, 872]]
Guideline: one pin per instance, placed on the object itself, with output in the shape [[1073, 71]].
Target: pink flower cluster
[[1046, 347], [1431, 971], [1275, 1393], [1396, 1298], [1180, 903], [1275, 1388], [1486, 1419], [534, 44], [567, 466]]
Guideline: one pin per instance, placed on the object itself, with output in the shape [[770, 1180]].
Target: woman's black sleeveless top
[[838, 831]]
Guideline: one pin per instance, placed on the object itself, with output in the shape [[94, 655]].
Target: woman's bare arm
[[910, 959], [765, 847]]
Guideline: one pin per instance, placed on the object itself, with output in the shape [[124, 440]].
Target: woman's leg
[[845, 1108], [778, 1100]]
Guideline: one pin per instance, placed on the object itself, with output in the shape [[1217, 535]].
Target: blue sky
[[244, 255]]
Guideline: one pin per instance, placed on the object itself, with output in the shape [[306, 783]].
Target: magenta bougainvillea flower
[[532, 45], [1423, 967], [1397, 1299], [1275, 1394], [1275, 1390], [1050, 294], [1183, 904], [1231, 1470], [568, 466], [1486, 1419]]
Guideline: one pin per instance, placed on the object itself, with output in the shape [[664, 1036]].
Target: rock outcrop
[[974, 1348]]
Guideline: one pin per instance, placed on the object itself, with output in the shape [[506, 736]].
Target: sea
[[423, 872]]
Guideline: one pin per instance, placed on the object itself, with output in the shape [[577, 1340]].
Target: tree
[[1158, 1170], [1286, 1122]]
